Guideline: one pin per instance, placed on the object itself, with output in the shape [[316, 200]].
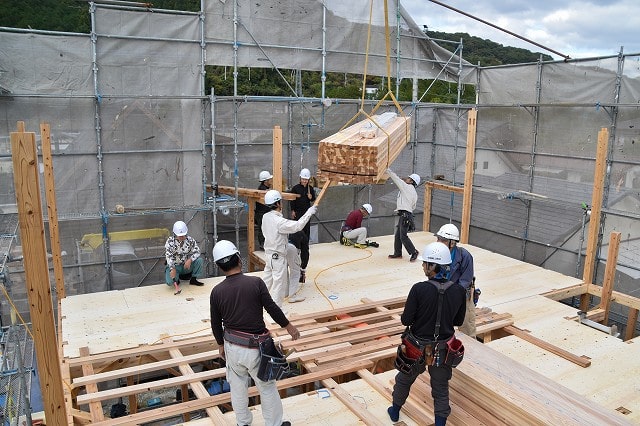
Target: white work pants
[[275, 277], [359, 234], [241, 363], [293, 262]]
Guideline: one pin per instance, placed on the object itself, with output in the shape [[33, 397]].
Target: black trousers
[[439, 379]]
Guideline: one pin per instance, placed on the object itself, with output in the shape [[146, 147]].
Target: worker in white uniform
[[276, 230]]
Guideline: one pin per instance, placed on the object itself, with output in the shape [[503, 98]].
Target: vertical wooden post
[[25, 174], [610, 274], [52, 208], [632, 319], [251, 233], [277, 158], [596, 207], [465, 223], [426, 213]]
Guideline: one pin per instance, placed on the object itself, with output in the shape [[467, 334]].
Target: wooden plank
[[582, 360], [155, 385], [468, 176], [445, 187], [95, 407], [144, 368], [596, 207], [355, 406], [197, 387], [52, 208], [609, 273], [199, 404], [277, 159], [426, 212], [326, 185], [27, 186], [257, 194], [631, 324], [565, 293]]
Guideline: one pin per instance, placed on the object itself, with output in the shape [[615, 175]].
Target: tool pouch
[[455, 352], [410, 354], [407, 221], [273, 364]]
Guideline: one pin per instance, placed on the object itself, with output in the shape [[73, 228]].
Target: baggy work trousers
[[241, 363], [276, 277]]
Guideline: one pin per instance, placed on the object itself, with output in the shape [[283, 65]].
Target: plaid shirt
[[177, 254]]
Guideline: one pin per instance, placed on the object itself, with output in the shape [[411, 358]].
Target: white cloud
[[572, 27]]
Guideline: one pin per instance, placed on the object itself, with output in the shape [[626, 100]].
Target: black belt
[[248, 340]]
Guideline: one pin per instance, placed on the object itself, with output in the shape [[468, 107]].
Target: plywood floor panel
[[340, 276]]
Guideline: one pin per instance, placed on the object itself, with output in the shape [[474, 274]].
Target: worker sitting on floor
[[353, 229]]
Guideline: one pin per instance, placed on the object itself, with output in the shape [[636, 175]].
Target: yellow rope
[[389, 93], [315, 279]]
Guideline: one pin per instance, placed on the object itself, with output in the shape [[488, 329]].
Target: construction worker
[[353, 229], [299, 207], [276, 230], [182, 256], [420, 315], [266, 180], [461, 272], [405, 204], [237, 302]]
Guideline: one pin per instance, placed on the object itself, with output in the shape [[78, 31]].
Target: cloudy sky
[[578, 28]]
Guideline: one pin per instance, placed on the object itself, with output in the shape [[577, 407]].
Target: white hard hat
[[416, 178], [449, 232], [271, 197], [264, 175], [180, 228], [224, 249], [305, 174], [436, 253], [368, 208]]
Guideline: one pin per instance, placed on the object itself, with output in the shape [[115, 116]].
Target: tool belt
[[248, 340], [414, 352], [406, 219]]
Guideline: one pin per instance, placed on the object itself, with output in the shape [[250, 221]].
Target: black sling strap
[[442, 287]]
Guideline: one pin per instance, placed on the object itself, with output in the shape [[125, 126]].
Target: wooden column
[[632, 319], [426, 213], [610, 274], [27, 186], [52, 208], [465, 223], [596, 207], [277, 158]]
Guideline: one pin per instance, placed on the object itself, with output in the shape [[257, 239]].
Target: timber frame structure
[[345, 355]]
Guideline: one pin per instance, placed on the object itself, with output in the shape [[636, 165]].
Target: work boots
[[194, 281]]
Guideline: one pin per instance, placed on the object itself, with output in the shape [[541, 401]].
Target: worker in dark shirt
[[266, 180], [299, 206], [238, 303], [420, 316]]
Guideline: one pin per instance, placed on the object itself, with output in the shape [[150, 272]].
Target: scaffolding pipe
[[99, 155]]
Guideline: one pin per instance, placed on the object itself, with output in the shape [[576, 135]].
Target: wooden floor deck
[[570, 374]]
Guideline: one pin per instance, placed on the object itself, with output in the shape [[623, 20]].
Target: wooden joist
[[361, 153]]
